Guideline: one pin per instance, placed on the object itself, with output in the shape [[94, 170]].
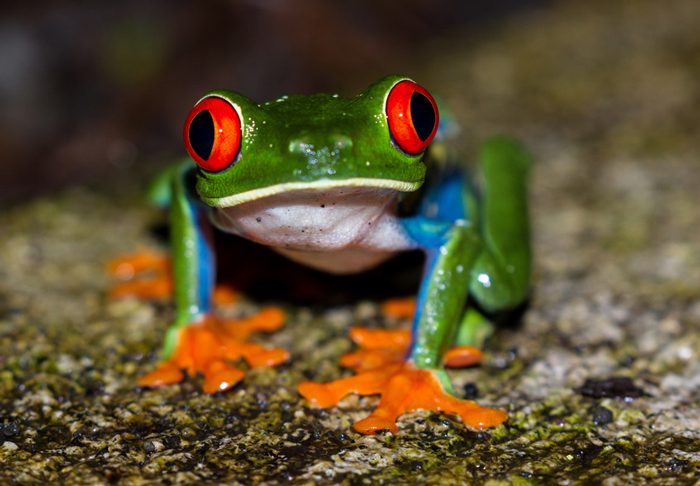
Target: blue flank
[[443, 204], [206, 258], [448, 197]]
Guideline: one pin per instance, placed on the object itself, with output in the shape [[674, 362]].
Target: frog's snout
[[314, 145]]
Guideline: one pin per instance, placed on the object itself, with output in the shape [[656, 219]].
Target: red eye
[[413, 116], [213, 134]]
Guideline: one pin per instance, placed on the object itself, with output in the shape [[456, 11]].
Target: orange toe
[[148, 275], [267, 320], [370, 359], [223, 294], [220, 376], [412, 389], [127, 266], [144, 274], [266, 358], [379, 347], [380, 338], [164, 374], [380, 369], [210, 345], [365, 383], [320, 394], [403, 389], [461, 356], [402, 308]]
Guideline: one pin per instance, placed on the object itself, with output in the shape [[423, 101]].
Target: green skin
[[303, 145]]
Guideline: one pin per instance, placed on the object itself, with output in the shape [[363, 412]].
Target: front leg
[[408, 373], [198, 341], [194, 260], [489, 257], [451, 251]]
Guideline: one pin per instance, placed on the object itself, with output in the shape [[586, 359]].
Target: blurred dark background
[[96, 92]]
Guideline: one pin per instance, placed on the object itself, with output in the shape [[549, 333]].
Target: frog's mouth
[[255, 194]]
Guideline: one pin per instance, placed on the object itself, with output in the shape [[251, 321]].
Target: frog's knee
[[503, 152], [494, 294]]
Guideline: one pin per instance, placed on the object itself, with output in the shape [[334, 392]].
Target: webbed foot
[[381, 369], [210, 345]]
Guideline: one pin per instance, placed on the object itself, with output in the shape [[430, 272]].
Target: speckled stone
[[606, 96]]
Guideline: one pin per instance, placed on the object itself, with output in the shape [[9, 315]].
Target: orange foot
[[209, 345], [144, 274], [148, 275], [381, 369]]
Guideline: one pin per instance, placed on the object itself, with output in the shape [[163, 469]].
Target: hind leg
[[500, 277]]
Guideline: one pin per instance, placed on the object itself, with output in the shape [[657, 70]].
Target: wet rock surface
[[605, 95]]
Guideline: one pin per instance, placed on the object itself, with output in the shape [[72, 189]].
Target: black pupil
[[202, 134], [423, 115]]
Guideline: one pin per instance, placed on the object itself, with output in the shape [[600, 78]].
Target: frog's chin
[[302, 223], [322, 184]]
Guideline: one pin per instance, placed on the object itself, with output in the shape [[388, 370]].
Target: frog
[[342, 185]]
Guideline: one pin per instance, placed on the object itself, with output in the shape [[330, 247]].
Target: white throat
[[332, 229]]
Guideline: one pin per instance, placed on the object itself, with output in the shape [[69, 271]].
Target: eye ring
[[212, 134], [412, 115]]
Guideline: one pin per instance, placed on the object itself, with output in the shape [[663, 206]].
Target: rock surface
[[606, 95]]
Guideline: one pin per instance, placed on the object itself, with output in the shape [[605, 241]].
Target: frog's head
[[246, 151]]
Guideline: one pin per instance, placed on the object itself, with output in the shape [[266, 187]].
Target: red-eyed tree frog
[[323, 180]]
